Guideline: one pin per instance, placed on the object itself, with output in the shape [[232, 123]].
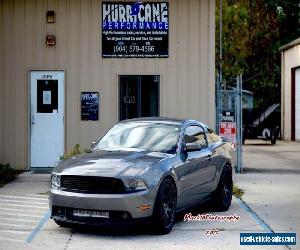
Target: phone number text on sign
[[133, 48]]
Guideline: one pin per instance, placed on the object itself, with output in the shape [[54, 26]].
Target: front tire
[[165, 207], [223, 194]]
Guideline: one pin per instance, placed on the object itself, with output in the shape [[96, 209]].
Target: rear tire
[[274, 136], [223, 194], [273, 140], [165, 207]]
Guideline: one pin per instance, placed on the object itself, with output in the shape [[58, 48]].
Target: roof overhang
[[290, 45]]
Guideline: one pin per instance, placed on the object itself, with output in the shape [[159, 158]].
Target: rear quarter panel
[[224, 155]]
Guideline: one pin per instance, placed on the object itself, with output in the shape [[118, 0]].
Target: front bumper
[[62, 204]]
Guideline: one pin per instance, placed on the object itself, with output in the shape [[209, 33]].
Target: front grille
[[92, 184]]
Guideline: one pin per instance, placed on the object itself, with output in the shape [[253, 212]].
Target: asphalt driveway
[[271, 183]]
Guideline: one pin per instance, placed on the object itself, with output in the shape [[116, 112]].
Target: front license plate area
[[82, 213]]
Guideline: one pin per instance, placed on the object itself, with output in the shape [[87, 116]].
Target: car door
[[188, 166], [184, 170], [202, 168], [207, 171]]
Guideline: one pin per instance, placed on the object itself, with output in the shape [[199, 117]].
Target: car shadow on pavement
[[206, 207], [113, 230], [134, 229]]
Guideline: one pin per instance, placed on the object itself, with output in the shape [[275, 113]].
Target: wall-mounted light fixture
[[50, 16]]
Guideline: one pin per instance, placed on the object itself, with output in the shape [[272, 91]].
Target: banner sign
[[135, 29], [228, 116], [228, 130], [89, 106]]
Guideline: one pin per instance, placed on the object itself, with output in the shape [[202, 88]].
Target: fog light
[[125, 215]]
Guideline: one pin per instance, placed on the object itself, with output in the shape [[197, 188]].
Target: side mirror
[[93, 144], [192, 146]]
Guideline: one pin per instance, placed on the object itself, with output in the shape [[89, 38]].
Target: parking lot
[[271, 203]]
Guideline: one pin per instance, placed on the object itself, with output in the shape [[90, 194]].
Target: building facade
[[71, 69], [290, 90]]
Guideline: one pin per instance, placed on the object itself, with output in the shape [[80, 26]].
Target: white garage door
[[297, 105]]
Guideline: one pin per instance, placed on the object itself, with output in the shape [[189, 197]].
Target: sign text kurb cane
[[135, 29]]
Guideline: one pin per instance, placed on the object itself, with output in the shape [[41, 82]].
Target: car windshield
[[151, 136]]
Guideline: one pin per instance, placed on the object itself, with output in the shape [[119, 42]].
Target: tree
[[253, 31]]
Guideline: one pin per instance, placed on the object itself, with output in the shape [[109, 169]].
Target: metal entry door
[[46, 118]]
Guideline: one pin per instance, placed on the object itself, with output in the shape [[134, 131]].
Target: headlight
[[133, 184], [55, 181]]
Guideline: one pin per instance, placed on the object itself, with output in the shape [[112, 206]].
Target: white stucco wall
[[290, 58]]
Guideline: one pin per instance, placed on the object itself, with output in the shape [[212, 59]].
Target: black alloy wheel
[[165, 207]]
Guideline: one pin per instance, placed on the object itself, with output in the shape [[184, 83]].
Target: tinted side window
[[195, 134]]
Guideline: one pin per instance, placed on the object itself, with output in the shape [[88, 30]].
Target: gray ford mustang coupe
[[144, 169]]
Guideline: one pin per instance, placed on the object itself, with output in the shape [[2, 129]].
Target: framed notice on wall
[[89, 106], [135, 29]]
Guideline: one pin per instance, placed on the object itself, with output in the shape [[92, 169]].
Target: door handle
[[32, 120], [209, 157]]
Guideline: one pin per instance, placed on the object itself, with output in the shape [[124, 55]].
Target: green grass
[[7, 174], [238, 192]]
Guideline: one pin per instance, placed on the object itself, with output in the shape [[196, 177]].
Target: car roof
[[162, 120]]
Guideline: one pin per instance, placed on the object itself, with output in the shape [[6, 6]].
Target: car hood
[[107, 163]]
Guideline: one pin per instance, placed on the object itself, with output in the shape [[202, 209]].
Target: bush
[[7, 173], [238, 192], [76, 150]]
